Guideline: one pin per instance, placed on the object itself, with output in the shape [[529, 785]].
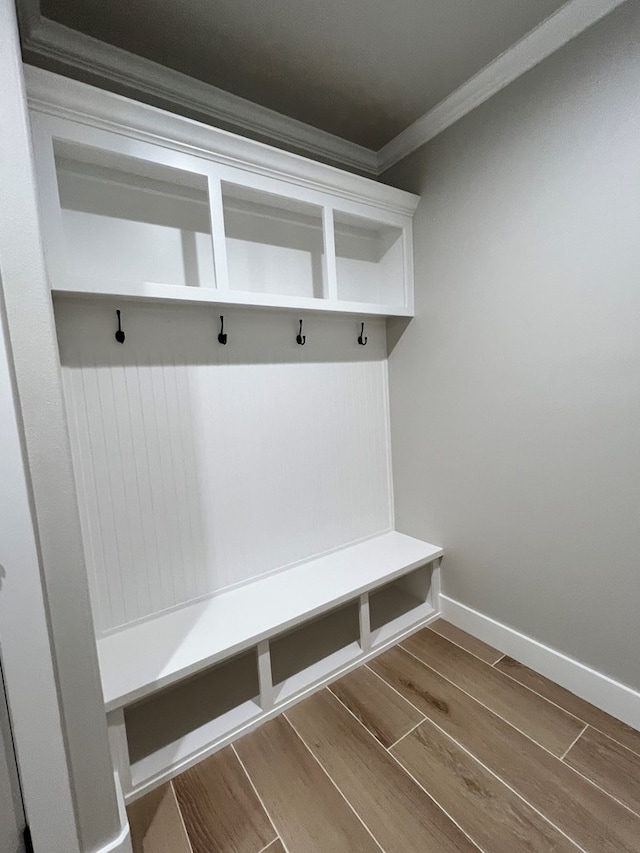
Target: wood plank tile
[[276, 847], [379, 708], [596, 718], [308, 812], [496, 818], [141, 812], [396, 810], [609, 765], [220, 809], [586, 814], [166, 833], [550, 726], [466, 641]]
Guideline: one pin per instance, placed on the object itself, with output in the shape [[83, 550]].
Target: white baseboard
[[611, 696]]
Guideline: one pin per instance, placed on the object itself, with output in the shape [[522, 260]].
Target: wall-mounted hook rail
[[361, 338], [222, 337], [119, 334], [300, 338]]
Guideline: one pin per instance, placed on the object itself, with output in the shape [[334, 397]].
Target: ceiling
[[363, 70]]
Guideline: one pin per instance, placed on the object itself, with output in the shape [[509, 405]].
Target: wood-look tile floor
[[440, 745]]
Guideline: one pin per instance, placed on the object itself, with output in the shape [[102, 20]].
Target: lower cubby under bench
[[185, 683]]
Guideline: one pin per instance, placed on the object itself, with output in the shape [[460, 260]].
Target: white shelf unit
[[183, 684], [235, 501], [141, 220]]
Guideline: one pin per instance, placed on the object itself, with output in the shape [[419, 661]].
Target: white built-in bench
[[182, 684]]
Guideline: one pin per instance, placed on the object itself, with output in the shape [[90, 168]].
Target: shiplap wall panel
[[201, 466]]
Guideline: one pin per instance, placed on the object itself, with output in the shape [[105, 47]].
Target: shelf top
[[150, 655]]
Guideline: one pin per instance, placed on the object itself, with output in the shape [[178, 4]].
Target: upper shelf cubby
[[141, 204], [274, 244], [129, 220]]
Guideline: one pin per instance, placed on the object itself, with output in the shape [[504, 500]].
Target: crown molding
[[554, 32], [47, 39], [54, 97]]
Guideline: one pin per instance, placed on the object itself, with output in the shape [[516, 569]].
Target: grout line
[[270, 845], [573, 743], [184, 826], [453, 643], [404, 698], [406, 734], [562, 708], [475, 699], [524, 734], [634, 812], [496, 776], [496, 662], [404, 770], [255, 791], [317, 760]]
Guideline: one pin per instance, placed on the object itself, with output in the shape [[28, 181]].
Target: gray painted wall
[[515, 392]]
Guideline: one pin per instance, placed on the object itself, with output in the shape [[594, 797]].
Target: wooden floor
[[439, 745]]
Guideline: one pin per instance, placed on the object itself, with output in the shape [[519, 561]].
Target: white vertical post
[[264, 676], [57, 708], [218, 234], [331, 276], [434, 593], [365, 623], [119, 747]]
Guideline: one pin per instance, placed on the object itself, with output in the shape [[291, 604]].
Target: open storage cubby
[[181, 720], [314, 649], [369, 260], [275, 244], [130, 220], [400, 604]]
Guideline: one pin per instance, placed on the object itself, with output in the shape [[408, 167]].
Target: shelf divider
[[218, 234], [331, 276]]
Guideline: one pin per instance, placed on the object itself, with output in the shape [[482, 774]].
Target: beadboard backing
[[188, 453]]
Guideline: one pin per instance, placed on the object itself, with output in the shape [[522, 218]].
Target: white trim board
[[50, 40], [53, 41], [602, 691]]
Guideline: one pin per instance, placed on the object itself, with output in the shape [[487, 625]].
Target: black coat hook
[[222, 337], [361, 339], [300, 338], [119, 333]]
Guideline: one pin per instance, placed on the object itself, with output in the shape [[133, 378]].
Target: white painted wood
[[400, 604], [125, 216], [264, 676], [274, 245], [154, 654], [611, 696], [57, 97], [218, 236], [119, 746], [152, 292], [369, 260], [195, 711], [199, 746], [46, 37], [134, 225], [557, 30], [307, 653], [365, 622], [48, 651], [180, 494]]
